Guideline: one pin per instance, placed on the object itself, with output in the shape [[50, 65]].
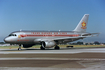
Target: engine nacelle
[[27, 45], [48, 44]]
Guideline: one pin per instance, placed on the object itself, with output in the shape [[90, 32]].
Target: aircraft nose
[[7, 40]]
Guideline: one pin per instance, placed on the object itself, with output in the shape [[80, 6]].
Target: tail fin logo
[[83, 25]]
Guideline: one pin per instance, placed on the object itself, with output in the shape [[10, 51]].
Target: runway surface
[[64, 59]]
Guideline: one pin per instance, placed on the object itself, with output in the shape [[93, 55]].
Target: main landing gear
[[19, 47], [57, 47]]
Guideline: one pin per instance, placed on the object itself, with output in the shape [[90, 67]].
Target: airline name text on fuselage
[[49, 33]]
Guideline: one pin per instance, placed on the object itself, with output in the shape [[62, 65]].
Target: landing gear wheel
[[42, 48], [19, 47], [57, 47]]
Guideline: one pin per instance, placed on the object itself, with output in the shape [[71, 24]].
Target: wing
[[71, 39], [62, 40], [66, 39]]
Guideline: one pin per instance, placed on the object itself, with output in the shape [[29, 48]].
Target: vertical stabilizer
[[82, 25]]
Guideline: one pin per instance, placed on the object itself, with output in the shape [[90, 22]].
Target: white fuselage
[[22, 37]]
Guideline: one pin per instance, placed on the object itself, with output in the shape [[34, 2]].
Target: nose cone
[[7, 40]]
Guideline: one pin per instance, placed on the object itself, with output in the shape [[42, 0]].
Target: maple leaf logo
[[83, 25]]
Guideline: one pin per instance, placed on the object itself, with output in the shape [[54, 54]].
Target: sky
[[53, 15]]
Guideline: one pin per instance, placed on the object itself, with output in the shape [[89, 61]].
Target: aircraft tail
[[82, 25]]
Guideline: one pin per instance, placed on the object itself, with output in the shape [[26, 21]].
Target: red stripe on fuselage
[[29, 35]]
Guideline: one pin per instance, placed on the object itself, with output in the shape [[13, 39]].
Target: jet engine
[[27, 45], [48, 44]]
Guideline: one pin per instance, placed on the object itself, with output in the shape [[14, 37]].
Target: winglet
[[82, 25]]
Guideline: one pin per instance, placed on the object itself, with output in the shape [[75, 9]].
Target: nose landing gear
[[19, 47]]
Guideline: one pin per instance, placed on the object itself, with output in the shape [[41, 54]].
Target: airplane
[[48, 39]]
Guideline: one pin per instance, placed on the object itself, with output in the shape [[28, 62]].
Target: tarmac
[[50, 59]]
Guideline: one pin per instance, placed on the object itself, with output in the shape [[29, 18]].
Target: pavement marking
[[51, 59], [29, 52], [62, 51]]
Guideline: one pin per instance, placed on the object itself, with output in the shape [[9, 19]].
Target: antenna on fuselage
[[20, 29]]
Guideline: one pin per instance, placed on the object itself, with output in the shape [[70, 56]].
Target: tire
[[57, 48], [19, 49]]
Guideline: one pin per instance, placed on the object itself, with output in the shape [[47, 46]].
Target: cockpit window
[[12, 35]]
